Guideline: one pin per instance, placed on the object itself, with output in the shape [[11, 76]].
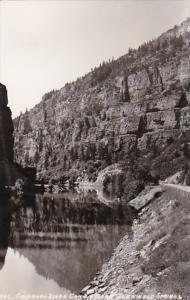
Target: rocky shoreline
[[153, 258]]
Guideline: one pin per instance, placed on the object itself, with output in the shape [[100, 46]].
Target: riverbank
[[153, 258]]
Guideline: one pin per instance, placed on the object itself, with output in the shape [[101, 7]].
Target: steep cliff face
[[6, 127], [136, 104], [9, 171]]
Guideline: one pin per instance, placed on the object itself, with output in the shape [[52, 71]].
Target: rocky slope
[[153, 261], [126, 111]]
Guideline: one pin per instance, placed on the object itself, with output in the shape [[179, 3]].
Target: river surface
[[56, 243]]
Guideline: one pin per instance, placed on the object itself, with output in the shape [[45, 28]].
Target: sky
[[44, 44]]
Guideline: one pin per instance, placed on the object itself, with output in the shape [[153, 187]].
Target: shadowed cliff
[[9, 171]]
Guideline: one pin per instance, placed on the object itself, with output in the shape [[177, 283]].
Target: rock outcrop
[[9, 171], [6, 127], [136, 104]]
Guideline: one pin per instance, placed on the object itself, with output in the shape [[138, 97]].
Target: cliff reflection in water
[[67, 237], [5, 218]]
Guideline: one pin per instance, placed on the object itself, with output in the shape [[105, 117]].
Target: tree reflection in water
[[67, 237]]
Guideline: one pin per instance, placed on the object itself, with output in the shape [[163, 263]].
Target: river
[[56, 243]]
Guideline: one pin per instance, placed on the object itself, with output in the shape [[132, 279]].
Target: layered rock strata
[[137, 103]]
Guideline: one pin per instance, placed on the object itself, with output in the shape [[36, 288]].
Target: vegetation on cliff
[[132, 111]]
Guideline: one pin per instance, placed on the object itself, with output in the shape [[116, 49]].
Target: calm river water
[[57, 242]]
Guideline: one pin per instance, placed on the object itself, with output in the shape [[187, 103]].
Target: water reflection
[[5, 218], [66, 237], [20, 276]]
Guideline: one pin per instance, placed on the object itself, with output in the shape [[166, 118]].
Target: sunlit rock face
[[137, 103]]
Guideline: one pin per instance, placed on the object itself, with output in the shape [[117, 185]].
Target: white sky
[[44, 44]]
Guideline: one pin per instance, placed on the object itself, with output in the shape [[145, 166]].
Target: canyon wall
[[6, 127], [127, 111], [9, 171]]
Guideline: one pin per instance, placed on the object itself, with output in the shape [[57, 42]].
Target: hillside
[[133, 111]]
